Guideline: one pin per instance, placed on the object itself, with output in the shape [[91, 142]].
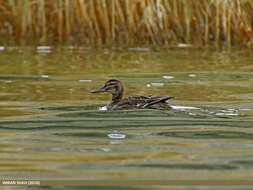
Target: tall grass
[[126, 22]]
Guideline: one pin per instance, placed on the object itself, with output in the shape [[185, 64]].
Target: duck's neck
[[117, 97]]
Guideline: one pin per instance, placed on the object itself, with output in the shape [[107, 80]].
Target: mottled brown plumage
[[115, 87]]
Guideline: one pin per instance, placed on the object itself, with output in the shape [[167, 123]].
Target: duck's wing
[[157, 99], [144, 101]]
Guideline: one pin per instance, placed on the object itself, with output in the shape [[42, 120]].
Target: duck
[[115, 87]]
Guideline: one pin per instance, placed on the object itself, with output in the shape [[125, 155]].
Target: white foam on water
[[227, 114], [184, 108], [103, 108]]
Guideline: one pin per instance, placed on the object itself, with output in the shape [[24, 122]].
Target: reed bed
[[127, 22]]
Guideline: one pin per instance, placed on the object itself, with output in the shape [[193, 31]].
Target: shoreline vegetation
[[127, 22]]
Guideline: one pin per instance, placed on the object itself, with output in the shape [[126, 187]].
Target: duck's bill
[[98, 90]]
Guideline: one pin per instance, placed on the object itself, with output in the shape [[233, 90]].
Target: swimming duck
[[115, 87]]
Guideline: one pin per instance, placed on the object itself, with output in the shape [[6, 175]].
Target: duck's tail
[[163, 99]]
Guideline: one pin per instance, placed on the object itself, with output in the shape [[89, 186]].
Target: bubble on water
[[168, 77], [116, 136]]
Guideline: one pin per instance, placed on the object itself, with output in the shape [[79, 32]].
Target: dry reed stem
[[67, 17], [43, 19], [113, 21], [129, 22]]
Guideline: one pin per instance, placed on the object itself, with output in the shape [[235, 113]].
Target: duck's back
[[143, 102]]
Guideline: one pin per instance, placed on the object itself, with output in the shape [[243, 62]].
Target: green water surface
[[51, 126]]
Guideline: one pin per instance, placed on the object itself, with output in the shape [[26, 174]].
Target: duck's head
[[112, 86]]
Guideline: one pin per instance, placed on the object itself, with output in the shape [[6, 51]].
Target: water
[[52, 127]]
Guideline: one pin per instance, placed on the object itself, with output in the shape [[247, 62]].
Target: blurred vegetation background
[[126, 22]]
